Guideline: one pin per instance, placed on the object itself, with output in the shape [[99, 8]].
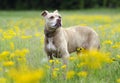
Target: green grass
[[106, 23]]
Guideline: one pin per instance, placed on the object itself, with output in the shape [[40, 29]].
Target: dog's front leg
[[50, 60], [64, 52]]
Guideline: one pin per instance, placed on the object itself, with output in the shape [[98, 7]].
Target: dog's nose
[[59, 20]]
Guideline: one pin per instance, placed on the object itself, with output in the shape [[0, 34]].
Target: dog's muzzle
[[58, 24]]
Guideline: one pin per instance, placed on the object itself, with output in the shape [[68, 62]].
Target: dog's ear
[[56, 11], [44, 13]]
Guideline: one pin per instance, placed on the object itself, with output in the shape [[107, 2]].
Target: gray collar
[[49, 33]]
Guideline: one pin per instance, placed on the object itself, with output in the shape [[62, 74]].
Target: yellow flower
[[26, 37], [72, 58], [118, 80], [1, 69], [57, 61], [8, 63], [22, 52], [70, 74], [78, 49], [118, 56], [22, 59], [25, 51], [2, 80], [54, 74], [12, 55], [56, 69], [63, 67], [4, 55], [26, 76], [12, 45], [116, 46], [47, 66], [82, 74], [83, 24], [9, 34], [81, 64], [37, 34], [94, 59], [107, 42], [51, 61]]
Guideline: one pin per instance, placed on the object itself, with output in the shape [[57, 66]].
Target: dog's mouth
[[58, 24]]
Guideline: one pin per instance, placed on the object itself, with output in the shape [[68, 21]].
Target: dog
[[60, 42]]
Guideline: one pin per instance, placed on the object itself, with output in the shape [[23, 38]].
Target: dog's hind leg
[[65, 58], [94, 44]]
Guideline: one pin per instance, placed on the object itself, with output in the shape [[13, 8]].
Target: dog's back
[[81, 37]]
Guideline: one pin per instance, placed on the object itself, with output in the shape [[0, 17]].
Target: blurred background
[[57, 4]]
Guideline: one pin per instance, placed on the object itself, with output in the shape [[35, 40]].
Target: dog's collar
[[49, 33]]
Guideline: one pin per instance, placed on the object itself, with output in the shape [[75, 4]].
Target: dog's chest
[[50, 45]]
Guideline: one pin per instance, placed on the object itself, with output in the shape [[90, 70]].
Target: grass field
[[23, 60]]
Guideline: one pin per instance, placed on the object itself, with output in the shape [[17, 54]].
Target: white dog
[[60, 42]]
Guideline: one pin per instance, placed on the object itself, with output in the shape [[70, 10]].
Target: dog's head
[[52, 20]]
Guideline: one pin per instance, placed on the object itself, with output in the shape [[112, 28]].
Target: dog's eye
[[59, 16], [51, 17]]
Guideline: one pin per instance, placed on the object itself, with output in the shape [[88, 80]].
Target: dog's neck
[[50, 33]]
